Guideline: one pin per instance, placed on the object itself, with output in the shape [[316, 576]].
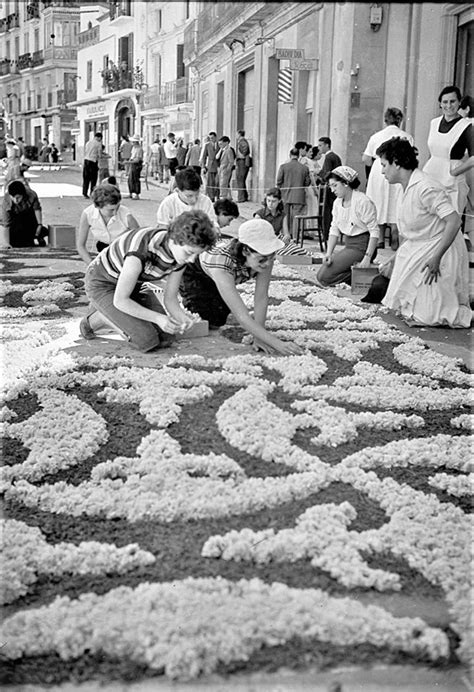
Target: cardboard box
[[62, 235], [362, 279]]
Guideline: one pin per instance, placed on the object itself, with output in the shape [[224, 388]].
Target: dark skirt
[[355, 247], [22, 229], [134, 186], [200, 295]]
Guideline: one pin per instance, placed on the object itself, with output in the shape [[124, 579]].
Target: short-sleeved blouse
[[276, 221], [106, 232], [361, 217]]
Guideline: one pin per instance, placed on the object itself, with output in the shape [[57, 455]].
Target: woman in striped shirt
[[116, 279], [209, 283]]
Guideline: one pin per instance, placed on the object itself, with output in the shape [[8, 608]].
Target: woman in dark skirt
[[208, 285], [355, 217], [136, 165]]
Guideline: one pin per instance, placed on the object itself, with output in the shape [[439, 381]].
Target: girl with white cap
[[355, 217], [208, 285]]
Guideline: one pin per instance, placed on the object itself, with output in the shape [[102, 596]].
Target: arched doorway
[[125, 113]]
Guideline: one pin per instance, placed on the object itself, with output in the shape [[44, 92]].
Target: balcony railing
[[37, 58], [120, 8], [13, 21], [170, 94], [32, 10], [89, 37], [60, 53], [5, 67], [65, 96], [24, 61], [116, 78]]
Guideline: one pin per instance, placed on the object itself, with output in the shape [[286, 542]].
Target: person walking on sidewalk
[[209, 165], [242, 165], [90, 169], [293, 179], [116, 282], [193, 156]]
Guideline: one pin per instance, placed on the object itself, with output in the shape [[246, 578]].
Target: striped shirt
[[219, 257], [149, 245]]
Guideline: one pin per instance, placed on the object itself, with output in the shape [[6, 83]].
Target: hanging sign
[[288, 53], [308, 64]]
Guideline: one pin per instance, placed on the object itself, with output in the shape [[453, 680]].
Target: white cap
[[259, 235]]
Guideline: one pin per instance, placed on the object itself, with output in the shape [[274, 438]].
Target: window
[[38, 100], [180, 69], [186, 9], [89, 75], [7, 50], [105, 62], [157, 70], [37, 40], [27, 43], [125, 51], [17, 47], [464, 45], [159, 20], [50, 99]]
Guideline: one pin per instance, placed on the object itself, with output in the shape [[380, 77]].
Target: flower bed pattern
[[286, 496]]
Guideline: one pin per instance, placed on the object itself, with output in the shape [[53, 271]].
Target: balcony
[[5, 67], [61, 53], [37, 58], [25, 61], [13, 21], [89, 37], [65, 96], [32, 10], [178, 91], [117, 78], [120, 8]]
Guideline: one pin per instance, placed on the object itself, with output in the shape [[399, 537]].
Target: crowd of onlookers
[[425, 280]]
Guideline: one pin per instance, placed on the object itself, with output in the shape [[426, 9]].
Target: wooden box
[[362, 279], [62, 235]]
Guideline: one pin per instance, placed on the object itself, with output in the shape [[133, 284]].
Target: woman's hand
[[385, 269], [327, 260], [168, 324], [283, 348], [432, 270], [286, 238], [364, 263]]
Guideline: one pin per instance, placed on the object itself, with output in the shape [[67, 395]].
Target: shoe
[[86, 330], [86, 196], [380, 246]]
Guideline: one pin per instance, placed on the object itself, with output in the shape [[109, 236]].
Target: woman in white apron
[[450, 145]]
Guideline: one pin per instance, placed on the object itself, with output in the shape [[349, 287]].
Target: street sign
[[76, 131], [288, 53], [308, 64]]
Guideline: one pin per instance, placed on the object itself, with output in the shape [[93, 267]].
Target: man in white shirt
[[186, 197], [170, 147]]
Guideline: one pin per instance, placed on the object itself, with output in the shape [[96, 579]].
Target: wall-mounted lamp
[[376, 16], [355, 70], [262, 39]]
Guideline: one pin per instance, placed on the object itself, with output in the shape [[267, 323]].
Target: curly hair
[[193, 228], [106, 194], [354, 184], [398, 150], [236, 250], [187, 179]]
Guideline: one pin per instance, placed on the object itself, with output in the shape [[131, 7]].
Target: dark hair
[[393, 116], [187, 179], [226, 206], [325, 140], [300, 145], [111, 180], [16, 187], [193, 228], [294, 152], [241, 133], [236, 250], [98, 135], [450, 90], [105, 194], [224, 138], [314, 151], [399, 150], [213, 133], [171, 134], [274, 192], [354, 184], [197, 141], [466, 102]]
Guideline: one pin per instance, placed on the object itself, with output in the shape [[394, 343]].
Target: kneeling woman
[[116, 279], [209, 284], [354, 215]]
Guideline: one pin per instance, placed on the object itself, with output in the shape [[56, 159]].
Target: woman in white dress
[[450, 145], [384, 196], [429, 279], [311, 161]]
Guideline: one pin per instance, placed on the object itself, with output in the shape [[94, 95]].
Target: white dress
[[439, 165], [312, 199], [383, 195], [423, 206]]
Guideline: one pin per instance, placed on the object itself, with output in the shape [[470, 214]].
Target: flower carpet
[[235, 513]]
